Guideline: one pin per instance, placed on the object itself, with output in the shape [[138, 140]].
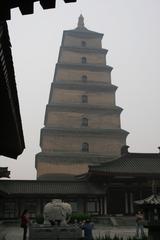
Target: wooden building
[[107, 189], [12, 140], [16, 195], [126, 179]]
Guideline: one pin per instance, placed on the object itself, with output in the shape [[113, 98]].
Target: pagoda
[[82, 121]]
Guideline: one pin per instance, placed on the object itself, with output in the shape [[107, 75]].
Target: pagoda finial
[[81, 21]]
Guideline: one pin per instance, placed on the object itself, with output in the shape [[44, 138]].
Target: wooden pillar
[[101, 206], [98, 206], [140, 191], [18, 202], [82, 205], [131, 203], [1, 207], [105, 205], [39, 209], [21, 205], [126, 202], [101, 201], [85, 205]]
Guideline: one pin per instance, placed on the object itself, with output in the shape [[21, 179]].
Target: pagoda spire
[[80, 21]]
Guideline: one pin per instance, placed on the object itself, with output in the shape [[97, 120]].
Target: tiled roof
[[83, 32], [151, 200], [132, 163], [48, 187]]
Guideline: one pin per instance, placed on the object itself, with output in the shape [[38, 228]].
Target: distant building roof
[[130, 163], [20, 187]]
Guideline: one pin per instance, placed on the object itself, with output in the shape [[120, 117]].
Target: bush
[[79, 217], [39, 219]]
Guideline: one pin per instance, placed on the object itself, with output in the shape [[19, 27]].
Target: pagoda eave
[[83, 33], [83, 131], [87, 87], [91, 67], [84, 49], [84, 108], [72, 157]]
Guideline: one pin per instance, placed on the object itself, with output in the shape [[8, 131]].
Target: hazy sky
[[132, 36]]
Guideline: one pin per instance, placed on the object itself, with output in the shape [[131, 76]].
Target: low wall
[[42, 232]]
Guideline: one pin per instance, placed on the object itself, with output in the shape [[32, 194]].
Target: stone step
[[102, 220], [125, 221], [114, 220]]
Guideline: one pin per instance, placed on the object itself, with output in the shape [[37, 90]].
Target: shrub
[[39, 219], [79, 217]]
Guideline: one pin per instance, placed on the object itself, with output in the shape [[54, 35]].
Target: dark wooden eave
[[49, 187], [25, 6], [11, 133]]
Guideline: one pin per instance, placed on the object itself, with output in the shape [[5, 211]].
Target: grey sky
[[132, 36]]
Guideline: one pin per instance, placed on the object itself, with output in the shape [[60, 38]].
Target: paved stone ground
[[16, 233]]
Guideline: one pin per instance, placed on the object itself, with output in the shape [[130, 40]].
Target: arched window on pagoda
[[83, 60], [84, 99], [84, 78], [83, 44], [84, 122], [85, 147]]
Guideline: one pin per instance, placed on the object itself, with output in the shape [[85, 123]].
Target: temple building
[[11, 132], [82, 121], [84, 159]]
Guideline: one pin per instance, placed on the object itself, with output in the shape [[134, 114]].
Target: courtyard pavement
[[16, 233]]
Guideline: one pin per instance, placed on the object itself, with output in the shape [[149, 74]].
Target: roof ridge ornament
[[80, 21]]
